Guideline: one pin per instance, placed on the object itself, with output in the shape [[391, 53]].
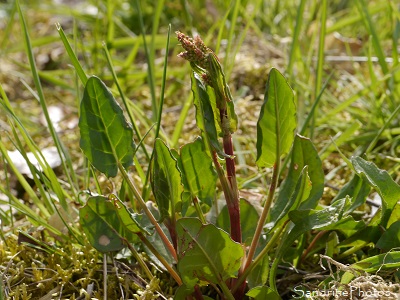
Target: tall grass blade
[[320, 63], [75, 62], [65, 159], [150, 64], [295, 39]]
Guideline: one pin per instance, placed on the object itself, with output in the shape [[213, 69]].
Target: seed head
[[196, 51]]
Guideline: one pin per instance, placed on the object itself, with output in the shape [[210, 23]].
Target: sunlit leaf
[[277, 121], [206, 253], [384, 261], [382, 182], [106, 136], [166, 181]]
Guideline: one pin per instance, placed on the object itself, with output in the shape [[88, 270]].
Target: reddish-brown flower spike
[[196, 51]]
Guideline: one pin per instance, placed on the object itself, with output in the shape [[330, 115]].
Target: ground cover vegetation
[[199, 149]]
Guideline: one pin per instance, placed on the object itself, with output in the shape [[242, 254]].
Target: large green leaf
[[382, 182], [198, 170], [206, 253], [166, 181], [277, 121], [108, 224], [106, 137]]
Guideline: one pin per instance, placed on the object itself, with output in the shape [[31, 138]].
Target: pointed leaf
[[206, 253], [107, 223], [106, 136], [277, 121], [300, 194], [198, 170], [305, 154], [383, 183], [166, 181]]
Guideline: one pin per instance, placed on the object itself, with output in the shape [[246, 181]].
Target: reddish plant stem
[[232, 202], [311, 246], [197, 293], [233, 205]]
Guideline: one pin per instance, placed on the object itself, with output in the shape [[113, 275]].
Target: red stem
[[233, 205]]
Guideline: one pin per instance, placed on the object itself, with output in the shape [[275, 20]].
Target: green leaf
[[263, 292], [306, 220], [186, 194], [106, 137], [205, 117], [166, 181], [277, 121], [382, 182], [198, 170], [395, 216], [390, 238], [300, 193], [206, 253], [357, 189], [384, 261], [108, 224], [222, 93]]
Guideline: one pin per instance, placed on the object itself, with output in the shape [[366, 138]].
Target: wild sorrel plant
[[195, 240]]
